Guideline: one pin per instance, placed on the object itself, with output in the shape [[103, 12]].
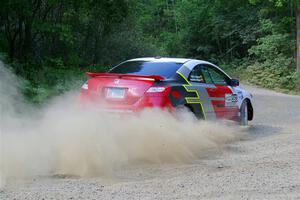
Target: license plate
[[115, 93]]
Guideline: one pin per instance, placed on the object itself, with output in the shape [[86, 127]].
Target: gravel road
[[264, 164]]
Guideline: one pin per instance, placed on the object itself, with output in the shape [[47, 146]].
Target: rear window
[[164, 69]]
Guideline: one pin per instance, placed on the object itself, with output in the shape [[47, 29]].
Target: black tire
[[244, 114], [182, 110]]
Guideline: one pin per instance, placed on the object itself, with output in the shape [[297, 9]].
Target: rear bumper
[[144, 102], [116, 111]]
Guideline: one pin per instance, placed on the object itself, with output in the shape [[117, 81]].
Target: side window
[[206, 75], [196, 75], [217, 76]]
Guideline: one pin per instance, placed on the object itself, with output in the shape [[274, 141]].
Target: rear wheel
[[244, 114], [184, 112]]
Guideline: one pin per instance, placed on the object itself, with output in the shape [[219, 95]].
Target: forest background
[[51, 43]]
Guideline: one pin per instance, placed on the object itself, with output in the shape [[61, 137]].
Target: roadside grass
[[282, 80]]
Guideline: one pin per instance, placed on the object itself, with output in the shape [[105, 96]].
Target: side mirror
[[234, 82]]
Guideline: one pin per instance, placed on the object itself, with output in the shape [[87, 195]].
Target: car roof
[[167, 59], [189, 63], [162, 59]]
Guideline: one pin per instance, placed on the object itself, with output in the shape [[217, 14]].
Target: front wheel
[[244, 114]]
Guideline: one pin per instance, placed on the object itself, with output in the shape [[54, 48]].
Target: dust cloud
[[64, 138]]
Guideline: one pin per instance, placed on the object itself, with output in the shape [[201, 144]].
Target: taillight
[[158, 91], [85, 86]]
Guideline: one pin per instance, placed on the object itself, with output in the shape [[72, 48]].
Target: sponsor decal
[[231, 100], [240, 95]]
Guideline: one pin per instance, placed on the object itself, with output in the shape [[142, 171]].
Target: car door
[[223, 100], [200, 82]]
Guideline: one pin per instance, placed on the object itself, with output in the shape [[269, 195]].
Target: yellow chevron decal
[[192, 100]]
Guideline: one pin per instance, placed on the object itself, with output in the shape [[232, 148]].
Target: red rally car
[[170, 83]]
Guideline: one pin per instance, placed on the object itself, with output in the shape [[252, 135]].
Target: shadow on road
[[261, 130]]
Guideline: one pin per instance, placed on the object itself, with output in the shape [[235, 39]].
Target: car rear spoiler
[[154, 77]]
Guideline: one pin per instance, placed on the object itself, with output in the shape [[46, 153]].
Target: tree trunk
[[11, 52], [27, 47], [298, 34]]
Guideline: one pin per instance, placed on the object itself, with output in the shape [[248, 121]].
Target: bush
[[273, 74], [273, 66], [51, 79]]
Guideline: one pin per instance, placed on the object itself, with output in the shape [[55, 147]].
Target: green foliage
[[218, 30], [273, 74], [53, 81], [296, 77], [273, 44], [274, 65]]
